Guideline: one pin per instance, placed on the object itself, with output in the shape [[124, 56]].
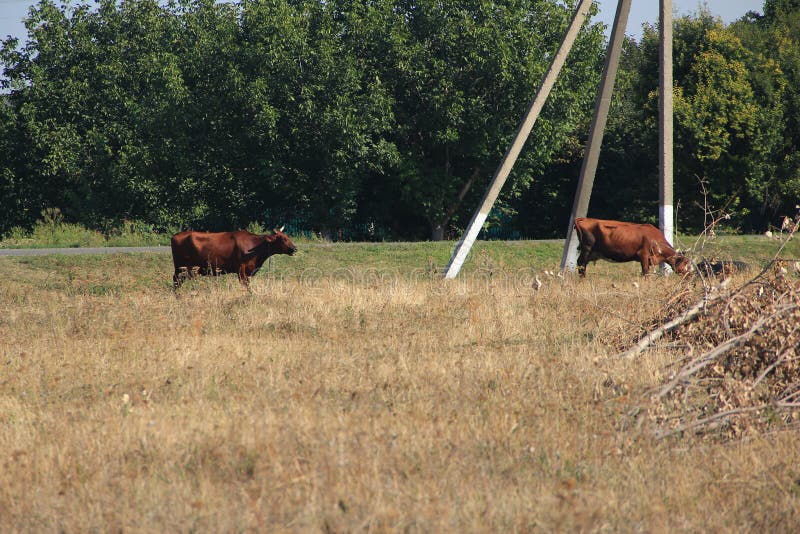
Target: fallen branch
[[790, 394], [774, 260], [718, 419], [752, 369]]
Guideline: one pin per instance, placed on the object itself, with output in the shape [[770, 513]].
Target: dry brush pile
[[741, 371]]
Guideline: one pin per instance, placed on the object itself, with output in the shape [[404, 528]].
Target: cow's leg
[[178, 277], [645, 254], [583, 260], [645, 259], [243, 278], [585, 244]]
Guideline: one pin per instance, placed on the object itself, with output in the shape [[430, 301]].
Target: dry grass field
[[354, 390]]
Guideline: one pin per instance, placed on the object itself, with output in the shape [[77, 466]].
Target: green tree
[[729, 115], [716, 116], [774, 44], [626, 185], [205, 114], [322, 117], [95, 88], [461, 75], [17, 197]]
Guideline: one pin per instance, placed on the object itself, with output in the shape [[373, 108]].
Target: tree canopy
[[381, 119]]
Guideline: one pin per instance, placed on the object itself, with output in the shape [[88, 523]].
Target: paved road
[[92, 250]]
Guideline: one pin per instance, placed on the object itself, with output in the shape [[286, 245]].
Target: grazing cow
[[217, 253], [624, 241]]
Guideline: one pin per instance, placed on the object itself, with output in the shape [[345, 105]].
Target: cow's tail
[[578, 229], [175, 246]]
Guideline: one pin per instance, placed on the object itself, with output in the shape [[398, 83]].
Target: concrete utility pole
[[500, 176], [665, 208], [580, 205]]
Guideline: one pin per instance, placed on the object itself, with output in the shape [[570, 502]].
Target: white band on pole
[[667, 222]]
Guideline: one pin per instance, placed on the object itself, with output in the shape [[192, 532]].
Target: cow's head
[[680, 263], [281, 244]]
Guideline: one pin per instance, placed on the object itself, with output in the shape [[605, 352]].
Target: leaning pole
[[580, 206], [665, 152], [504, 169]]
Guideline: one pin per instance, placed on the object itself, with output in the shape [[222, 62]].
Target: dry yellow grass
[[352, 403]]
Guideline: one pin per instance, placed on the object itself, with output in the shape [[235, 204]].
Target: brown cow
[[624, 241], [217, 253]]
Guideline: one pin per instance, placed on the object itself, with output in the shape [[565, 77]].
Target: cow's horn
[[281, 228]]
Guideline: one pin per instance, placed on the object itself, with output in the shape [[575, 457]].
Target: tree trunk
[[437, 232], [438, 227]]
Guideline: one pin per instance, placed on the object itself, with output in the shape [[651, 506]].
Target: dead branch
[[753, 366], [790, 394], [774, 260]]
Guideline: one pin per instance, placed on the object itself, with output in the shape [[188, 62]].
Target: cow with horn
[[217, 253]]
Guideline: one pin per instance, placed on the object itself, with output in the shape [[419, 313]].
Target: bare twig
[[771, 262], [692, 312], [768, 302], [706, 358], [716, 419], [790, 394]]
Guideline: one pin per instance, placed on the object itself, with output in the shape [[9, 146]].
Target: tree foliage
[[197, 113], [381, 118], [734, 96]]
